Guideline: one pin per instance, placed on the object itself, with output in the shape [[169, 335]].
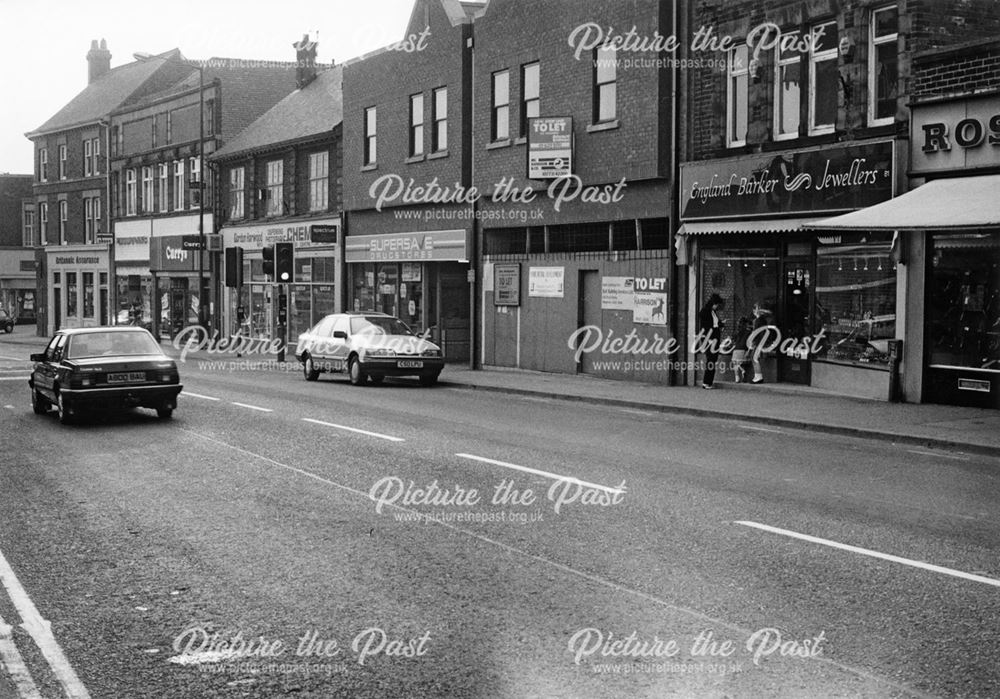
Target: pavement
[[953, 428]]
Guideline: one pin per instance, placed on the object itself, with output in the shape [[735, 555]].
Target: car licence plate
[[410, 364], [127, 376]]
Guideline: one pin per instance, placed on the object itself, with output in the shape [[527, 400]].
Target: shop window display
[[963, 301], [856, 300], [743, 278]]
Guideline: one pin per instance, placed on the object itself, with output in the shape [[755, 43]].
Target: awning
[[957, 203], [768, 225]]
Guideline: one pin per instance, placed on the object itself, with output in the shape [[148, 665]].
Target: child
[[743, 330]]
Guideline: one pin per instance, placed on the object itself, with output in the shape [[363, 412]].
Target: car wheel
[[38, 403], [428, 379], [358, 377], [65, 416], [309, 369], [8, 329], [164, 413]]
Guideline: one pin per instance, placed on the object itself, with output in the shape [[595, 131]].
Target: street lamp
[[202, 296]]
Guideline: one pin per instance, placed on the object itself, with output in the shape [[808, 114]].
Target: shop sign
[[550, 147], [76, 260], [650, 301], [819, 180], [424, 245], [411, 272], [617, 293], [955, 135], [507, 284], [168, 254], [256, 237], [546, 282], [324, 233]]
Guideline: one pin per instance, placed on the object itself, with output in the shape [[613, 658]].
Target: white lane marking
[[13, 378], [762, 429], [957, 457], [252, 407], [11, 660], [197, 395], [10, 407], [589, 577], [547, 474], [15, 359], [874, 554], [41, 630], [354, 429]]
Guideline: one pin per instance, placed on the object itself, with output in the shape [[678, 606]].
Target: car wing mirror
[[339, 335], [37, 357]]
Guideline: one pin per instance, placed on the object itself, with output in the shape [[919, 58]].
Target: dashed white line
[[197, 395], [41, 631], [14, 359], [13, 378], [252, 407], [874, 554], [546, 474], [13, 663], [762, 429], [354, 429], [10, 407], [957, 457]]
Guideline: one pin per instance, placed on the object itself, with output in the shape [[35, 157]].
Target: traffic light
[[234, 267], [284, 262], [268, 253]]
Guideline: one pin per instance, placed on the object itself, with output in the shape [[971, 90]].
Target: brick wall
[[972, 69]]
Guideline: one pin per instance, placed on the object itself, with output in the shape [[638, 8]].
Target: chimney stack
[[98, 60], [305, 61]]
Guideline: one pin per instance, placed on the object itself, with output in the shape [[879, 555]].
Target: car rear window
[[112, 343]]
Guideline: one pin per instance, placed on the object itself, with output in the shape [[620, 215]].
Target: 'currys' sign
[[961, 135]]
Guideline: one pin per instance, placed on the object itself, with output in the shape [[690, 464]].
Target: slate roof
[[311, 111], [106, 93]]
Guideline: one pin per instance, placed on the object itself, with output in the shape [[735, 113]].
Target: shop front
[[77, 279], [252, 309], [827, 299], [422, 278], [174, 271], [134, 283], [17, 284], [948, 228]]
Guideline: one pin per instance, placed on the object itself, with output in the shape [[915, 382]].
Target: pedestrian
[[740, 347], [761, 320], [710, 327]]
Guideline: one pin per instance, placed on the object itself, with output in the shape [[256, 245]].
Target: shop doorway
[[794, 319], [590, 311]]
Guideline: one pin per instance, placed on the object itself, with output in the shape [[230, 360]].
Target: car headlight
[[431, 353]]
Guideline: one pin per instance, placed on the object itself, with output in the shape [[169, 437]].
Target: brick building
[[281, 182], [160, 191], [17, 257], [591, 249], [407, 170], [71, 189]]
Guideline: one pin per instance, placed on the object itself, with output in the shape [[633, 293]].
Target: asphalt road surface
[[284, 538]]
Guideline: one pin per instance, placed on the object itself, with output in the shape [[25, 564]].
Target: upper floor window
[[237, 192], [147, 189], [371, 135], [500, 119], [63, 220], [787, 83], [62, 162], [824, 79], [28, 232], [275, 188], [883, 68], [194, 175], [43, 223], [605, 84], [737, 95], [439, 119], [530, 101], [163, 193], [88, 156], [91, 218], [131, 193], [416, 125], [319, 181], [43, 165], [178, 185]]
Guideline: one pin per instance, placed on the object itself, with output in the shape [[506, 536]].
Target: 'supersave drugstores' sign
[[822, 180]]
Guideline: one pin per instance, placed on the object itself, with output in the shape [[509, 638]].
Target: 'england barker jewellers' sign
[[827, 180]]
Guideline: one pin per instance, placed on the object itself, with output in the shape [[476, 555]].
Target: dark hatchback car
[[89, 370]]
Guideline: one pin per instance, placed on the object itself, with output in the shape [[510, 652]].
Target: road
[[403, 541]]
